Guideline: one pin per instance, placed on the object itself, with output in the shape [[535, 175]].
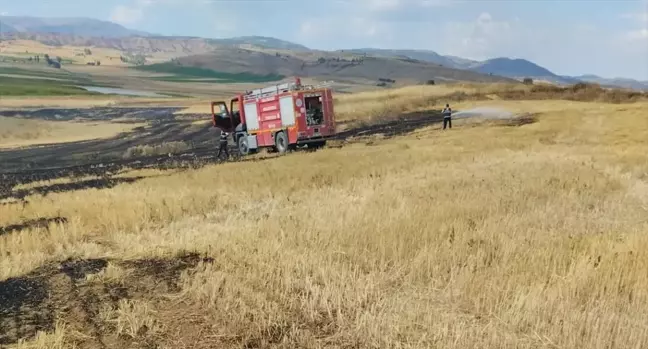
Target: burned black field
[[103, 159]]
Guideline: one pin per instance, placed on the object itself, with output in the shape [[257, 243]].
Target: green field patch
[[191, 74], [50, 73], [11, 86]]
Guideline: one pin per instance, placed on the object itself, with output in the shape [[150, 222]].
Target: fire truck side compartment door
[[287, 110], [251, 116]]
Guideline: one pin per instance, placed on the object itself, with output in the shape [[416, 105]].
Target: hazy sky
[[608, 38]]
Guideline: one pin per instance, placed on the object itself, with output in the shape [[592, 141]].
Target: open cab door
[[221, 116]]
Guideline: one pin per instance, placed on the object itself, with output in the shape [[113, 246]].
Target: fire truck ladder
[[276, 89], [273, 90]]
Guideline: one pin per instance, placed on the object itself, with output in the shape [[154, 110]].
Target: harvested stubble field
[[496, 234]]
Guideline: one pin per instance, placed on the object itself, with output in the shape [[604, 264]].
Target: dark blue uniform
[[447, 116], [223, 144]]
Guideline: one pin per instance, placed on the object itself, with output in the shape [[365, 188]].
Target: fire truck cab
[[280, 117]]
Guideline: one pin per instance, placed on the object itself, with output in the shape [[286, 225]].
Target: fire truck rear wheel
[[281, 142]]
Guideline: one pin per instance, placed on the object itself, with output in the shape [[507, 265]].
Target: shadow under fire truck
[[281, 117]]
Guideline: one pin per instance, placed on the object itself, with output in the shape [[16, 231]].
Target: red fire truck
[[280, 117]]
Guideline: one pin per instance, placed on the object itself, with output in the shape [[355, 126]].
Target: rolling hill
[[153, 44], [72, 26], [322, 64], [511, 67], [72, 30], [421, 55], [135, 44], [617, 82], [263, 42], [503, 66], [520, 69], [6, 28]]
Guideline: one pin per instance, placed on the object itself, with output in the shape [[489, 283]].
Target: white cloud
[[638, 35], [383, 5], [126, 15], [226, 24], [437, 3], [641, 33], [314, 29], [585, 28], [131, 14], [482, 39], [367, 22], [134, 13], [390, 7], [640, 17]]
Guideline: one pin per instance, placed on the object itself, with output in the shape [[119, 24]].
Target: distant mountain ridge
[[263, 41], [503, 66], [88, 28], [321, 64], [70, 25], [6, 28], [153, 43], [511, 67], [93, 32], [620, 82], [508, 67], [420, 55]]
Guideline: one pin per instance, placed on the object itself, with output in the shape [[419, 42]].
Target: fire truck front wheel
[[281, 142], [243, 147]]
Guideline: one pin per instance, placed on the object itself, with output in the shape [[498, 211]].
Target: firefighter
[[223, 145], [447, 116]]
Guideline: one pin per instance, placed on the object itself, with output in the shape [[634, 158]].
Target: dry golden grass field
[[107, 56], [495, 234]]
